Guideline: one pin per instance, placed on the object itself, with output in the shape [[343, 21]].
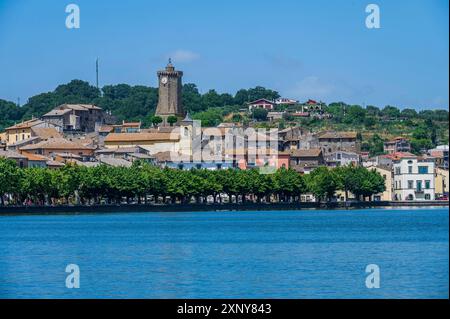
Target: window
[[409, 169], [427, 184], [410, 197], [410, 184], [423, 169], [427, 196], [397, 171], [419, 185]]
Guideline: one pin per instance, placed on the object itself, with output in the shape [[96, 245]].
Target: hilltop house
[[261, 104]]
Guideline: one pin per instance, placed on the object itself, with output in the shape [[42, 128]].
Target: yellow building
[[386, 173], [441, 181], [21, 131]]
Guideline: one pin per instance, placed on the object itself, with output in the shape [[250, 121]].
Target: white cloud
[[311, 87], [183, 56]]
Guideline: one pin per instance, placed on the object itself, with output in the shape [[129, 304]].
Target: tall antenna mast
[[96, 72]]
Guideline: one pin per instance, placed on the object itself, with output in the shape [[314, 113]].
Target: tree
[[354, 114], [370, 121], [172, 119], [390, 112], [259, 114], [210, 117], [323, 183], [9, 178], [408, 113], [360, 181], [156, 120], [192, 99]]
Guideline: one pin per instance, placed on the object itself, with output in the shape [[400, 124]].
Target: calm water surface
[[276, 254]]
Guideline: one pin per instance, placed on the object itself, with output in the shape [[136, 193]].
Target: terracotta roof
[[46, 132], [266, 101], [26, 124], [35, 157], [141, 137], [338, 135], [105, 128], [313, 152], [132, 124], [399, 155], [56, 143]]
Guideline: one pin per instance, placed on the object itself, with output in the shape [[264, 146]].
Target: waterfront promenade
[[195, 207]]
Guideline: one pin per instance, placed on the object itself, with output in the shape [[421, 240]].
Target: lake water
[[273, 254]]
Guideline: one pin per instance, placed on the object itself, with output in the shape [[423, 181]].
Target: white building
[[413, 178]]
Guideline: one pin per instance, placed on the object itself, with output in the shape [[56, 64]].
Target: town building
[[179, 161], [35, 160], [152, 142], [414, 178], [60, 145], [386, 173], [399, 144], [342, 158], [440, 153], [304, 161], [76, 117], [441, 182], [24, 130], [20, 160], [331, 142]]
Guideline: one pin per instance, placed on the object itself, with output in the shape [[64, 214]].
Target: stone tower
[[169, 102]]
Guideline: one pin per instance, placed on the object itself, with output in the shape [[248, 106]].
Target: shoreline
[[129, 208]]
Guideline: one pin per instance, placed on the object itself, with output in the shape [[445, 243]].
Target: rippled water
[[276, 254]]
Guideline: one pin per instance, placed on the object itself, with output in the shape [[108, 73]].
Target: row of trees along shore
[[144, 183]]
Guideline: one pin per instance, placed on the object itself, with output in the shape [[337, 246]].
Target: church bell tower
[[169, 101]]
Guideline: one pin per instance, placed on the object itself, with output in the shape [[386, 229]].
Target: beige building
[[386, 173], [441, 181], [152, 142]]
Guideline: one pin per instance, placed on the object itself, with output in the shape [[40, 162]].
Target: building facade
[[398, 144], [414, 178], [331, 142], [75, 117]]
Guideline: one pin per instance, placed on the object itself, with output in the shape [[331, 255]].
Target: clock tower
[[169, 101]]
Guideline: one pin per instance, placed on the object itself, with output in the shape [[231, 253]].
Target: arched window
[[410, 197], [186, 131]]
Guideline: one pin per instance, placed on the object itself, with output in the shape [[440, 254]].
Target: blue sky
[[304, 49]]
